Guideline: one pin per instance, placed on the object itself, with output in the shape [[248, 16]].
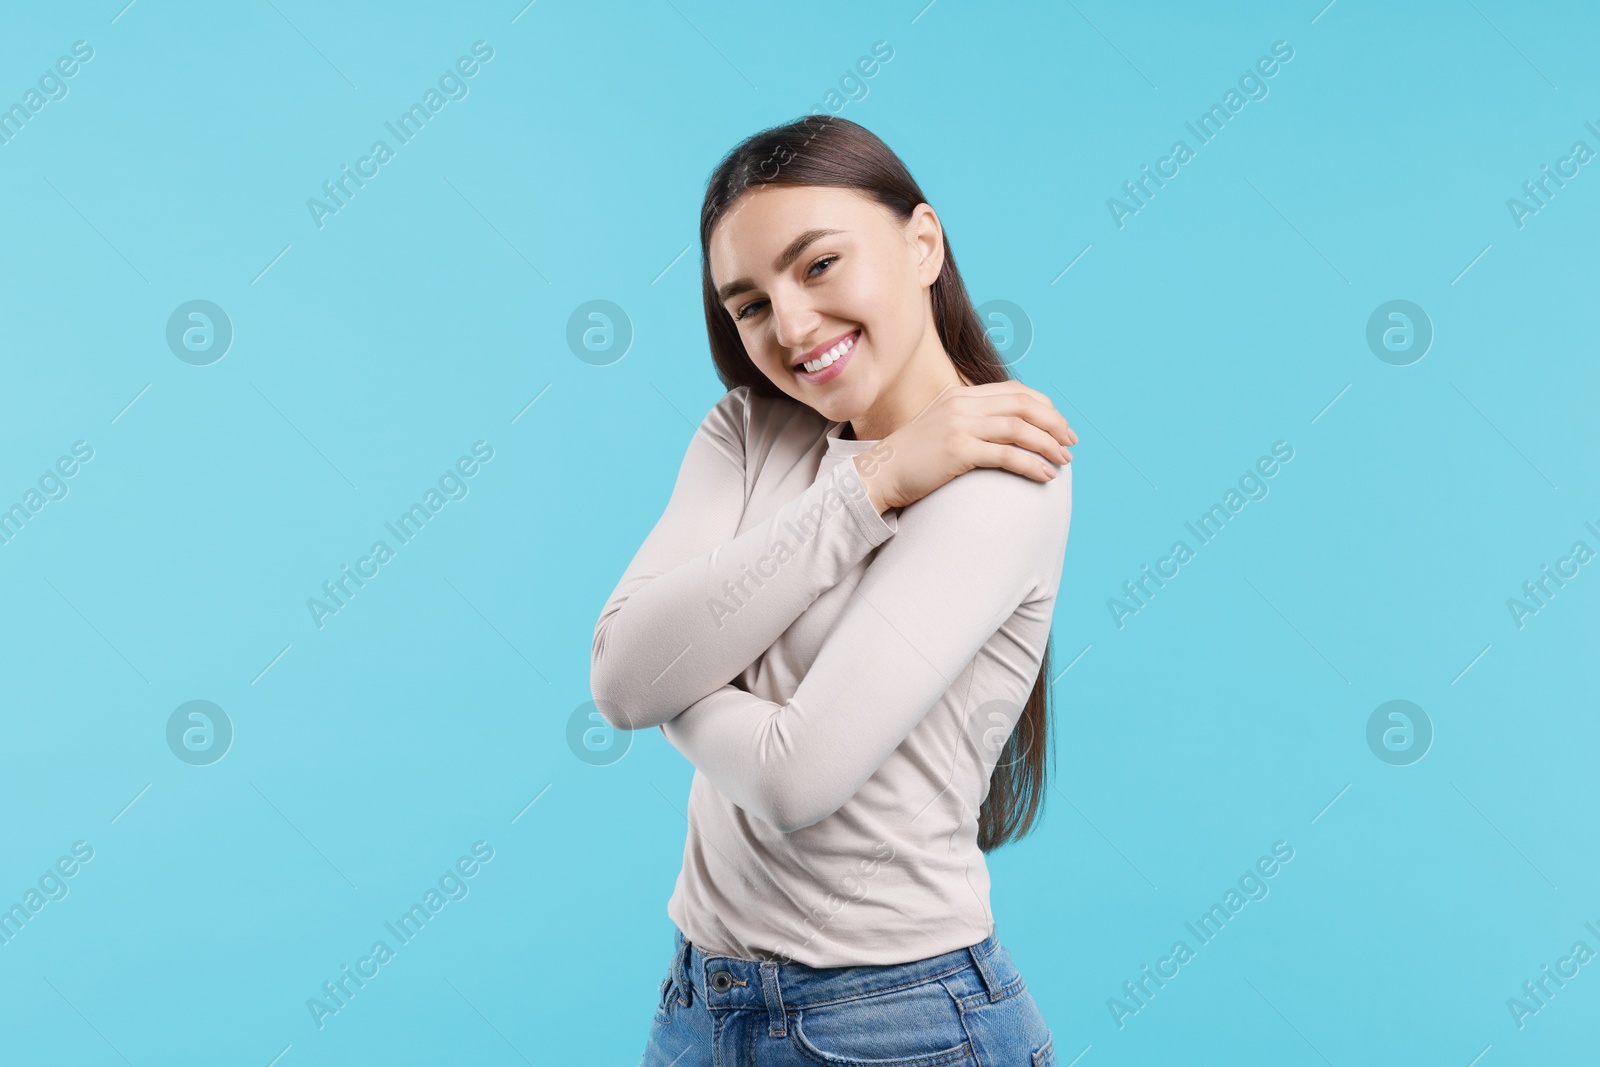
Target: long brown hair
[[823, 150]]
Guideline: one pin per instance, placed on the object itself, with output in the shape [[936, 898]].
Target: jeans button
[[721, 981]]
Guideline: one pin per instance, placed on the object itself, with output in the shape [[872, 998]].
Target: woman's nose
[[793, 322]]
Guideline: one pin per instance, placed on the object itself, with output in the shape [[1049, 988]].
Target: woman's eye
[[755, 305]]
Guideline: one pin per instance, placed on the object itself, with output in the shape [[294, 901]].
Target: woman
[[842, 632]]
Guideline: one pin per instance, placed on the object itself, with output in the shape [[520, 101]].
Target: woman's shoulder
[[1015, 525], [1000, 502]]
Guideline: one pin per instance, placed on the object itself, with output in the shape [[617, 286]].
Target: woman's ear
[[926, 237]]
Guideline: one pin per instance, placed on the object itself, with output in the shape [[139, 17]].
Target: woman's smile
[[831, 362]]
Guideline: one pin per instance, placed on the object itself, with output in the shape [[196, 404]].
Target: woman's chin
[[834, 409]]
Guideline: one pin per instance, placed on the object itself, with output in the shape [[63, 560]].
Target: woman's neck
[[910, 399]]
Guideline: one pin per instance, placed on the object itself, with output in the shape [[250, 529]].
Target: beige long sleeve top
[[842, 681]]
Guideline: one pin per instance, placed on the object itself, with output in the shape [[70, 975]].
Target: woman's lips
[[834, 369]]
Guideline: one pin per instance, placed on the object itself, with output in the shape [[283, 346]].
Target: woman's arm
[[962, 561], [697, 605]]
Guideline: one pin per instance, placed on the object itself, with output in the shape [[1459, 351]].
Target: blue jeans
[[966, 1008]]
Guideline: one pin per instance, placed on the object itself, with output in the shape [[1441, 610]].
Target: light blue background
[[1228, 314]]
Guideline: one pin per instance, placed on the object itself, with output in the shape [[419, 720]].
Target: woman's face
[[803, 270]]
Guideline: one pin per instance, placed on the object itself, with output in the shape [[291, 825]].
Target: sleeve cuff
[[876, 528]]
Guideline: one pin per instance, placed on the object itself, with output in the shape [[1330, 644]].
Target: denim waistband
[[731, 982]]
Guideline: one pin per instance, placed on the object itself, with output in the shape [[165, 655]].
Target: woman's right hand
[[998, 424]]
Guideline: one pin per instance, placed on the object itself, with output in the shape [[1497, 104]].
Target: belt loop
[[991, 981], [680, 966], [776, 1016]]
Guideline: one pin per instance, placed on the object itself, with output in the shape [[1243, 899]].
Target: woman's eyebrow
[[782, 263]]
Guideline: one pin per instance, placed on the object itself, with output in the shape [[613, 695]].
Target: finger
[[1017, 430], [1036, 411], [1011, 458], [1007, 387], [1012, 397], [1048, 418]]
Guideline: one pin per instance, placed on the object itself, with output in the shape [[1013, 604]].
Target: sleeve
[[698, 605], [965, 557]]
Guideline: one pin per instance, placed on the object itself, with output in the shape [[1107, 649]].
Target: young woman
[[842, 620]]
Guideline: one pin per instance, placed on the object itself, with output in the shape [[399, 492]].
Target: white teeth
[[828, 357], [826, 361]]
